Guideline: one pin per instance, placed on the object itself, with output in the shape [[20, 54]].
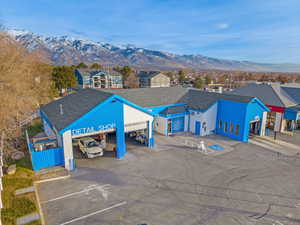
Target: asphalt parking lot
[[173, 185]]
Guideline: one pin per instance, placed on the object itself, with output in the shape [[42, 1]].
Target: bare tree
[[24, 84]]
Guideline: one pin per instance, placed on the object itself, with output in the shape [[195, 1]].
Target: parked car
[[90, 147], [141, 139]]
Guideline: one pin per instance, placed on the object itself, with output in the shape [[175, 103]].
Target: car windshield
[[91, 144]]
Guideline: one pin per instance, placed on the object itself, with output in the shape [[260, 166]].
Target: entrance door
[[254, 128], [198, 128], [169, 126], [178, 124]]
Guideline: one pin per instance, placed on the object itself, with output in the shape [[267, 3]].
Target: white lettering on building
[[92, 129]]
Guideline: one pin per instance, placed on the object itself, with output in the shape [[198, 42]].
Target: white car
[[90, 147]]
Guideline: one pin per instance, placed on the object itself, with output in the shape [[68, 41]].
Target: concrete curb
[[28, 218], [39, 204], [282, 143], [52, 179]]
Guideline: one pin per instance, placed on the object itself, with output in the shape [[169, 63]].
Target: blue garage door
[[178, 124]]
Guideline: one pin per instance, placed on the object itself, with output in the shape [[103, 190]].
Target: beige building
[[153, 79]]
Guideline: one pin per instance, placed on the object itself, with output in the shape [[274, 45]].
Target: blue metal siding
[[177, 124], [290, 114], [254, 111], [240, 114], [198, 128], [150, 125], [46, 158], [109, 114], [231, 112]]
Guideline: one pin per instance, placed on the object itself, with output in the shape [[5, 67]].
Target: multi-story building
[[153, 79], [95, 78]]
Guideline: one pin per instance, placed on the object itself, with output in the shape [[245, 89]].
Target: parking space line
[[89, 188], [94, 213]]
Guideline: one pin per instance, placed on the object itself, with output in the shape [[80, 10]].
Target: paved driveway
[[176, 185]]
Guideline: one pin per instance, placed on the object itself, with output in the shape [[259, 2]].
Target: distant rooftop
[[148, 74], [91, 72], [267, 93]]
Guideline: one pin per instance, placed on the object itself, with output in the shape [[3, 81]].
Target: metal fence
[[42, 159]]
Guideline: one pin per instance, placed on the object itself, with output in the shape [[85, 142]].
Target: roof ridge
[[277, 90]]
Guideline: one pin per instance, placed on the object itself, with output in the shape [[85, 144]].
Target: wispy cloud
[[223, 25]]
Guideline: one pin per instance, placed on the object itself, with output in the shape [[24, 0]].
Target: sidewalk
[[181, 139], [279, 146], [282, 143], [292, 138]]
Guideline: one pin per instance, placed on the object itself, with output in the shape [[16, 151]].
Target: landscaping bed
[[15, 206]]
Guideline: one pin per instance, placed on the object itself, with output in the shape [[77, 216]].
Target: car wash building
[[168, 111], [90, 112]]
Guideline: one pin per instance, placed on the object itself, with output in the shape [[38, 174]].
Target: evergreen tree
[[198, 83], [208, 79], [63, 77], [96, 66], [181, 76], [125, 71], [81, 66]]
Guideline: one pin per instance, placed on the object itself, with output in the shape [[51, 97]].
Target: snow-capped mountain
[[66, 50]]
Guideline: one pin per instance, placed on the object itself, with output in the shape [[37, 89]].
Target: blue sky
[[256, 30]]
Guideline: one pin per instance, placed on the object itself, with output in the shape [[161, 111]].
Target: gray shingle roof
[[293, 93], [175, 109], [264, 92], [77, 104], [148, 74], [202, 100], [73, 106], [196, 99], [92, 72], [268, 94], [147, 97], [284, 97]]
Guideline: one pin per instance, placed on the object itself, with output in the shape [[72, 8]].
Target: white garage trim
[[68, 149], [134, 116], [135, 126]]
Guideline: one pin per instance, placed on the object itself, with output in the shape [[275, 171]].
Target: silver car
[[90, 147]]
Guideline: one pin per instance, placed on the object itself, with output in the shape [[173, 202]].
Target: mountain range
[[66, 50]]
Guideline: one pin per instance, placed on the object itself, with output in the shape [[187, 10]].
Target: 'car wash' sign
[[93, 129]]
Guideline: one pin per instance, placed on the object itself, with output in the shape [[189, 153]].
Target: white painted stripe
[[89, 188], [94, 213], [52, 179]]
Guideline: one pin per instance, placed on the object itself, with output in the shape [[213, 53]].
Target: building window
[[220, 124], [237, 130], [231, 128], [226, 127], [204, 126]]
